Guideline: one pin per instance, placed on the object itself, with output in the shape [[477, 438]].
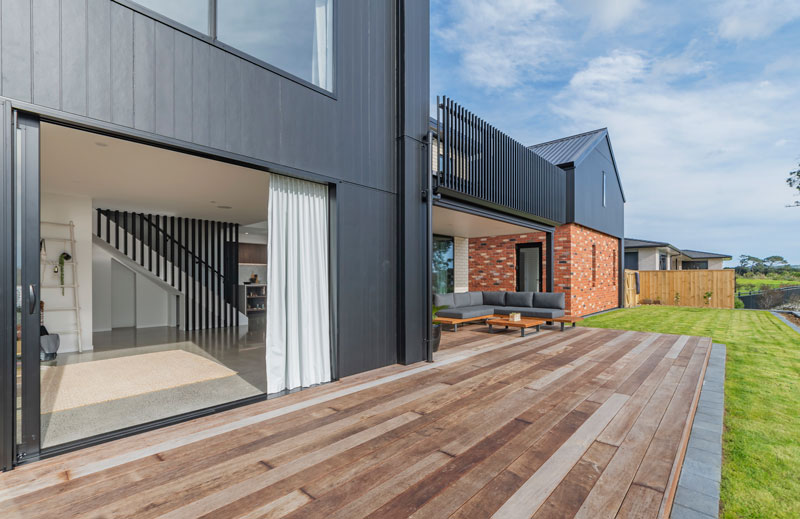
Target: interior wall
[[101, 291], [123, 296], [61, 209], [152, 304], [461, 264], [155, 306]]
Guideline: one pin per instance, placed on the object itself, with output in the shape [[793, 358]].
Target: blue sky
[[701, 99]]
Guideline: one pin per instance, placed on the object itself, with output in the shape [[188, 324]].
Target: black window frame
[[694, 265], [210, 37]]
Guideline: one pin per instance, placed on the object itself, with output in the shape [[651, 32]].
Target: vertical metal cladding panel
[[370, 278], [164, 80], [45, 27]]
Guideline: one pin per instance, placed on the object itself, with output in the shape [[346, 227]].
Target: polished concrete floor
[[240, 349]]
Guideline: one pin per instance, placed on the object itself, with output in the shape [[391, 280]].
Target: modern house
[[655, 255], [192, 208], [566, 232]]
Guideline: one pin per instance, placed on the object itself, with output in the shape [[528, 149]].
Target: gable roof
[[570, 151], [643, 244], [632, 243]]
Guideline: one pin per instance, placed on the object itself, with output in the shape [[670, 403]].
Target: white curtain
[[322, 52], [298, 318]]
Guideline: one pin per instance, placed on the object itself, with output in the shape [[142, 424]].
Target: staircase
[[198, 258]]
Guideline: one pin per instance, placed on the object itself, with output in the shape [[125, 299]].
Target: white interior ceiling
[[455, 223], [128, 176]]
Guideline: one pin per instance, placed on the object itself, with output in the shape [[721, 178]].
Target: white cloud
[[698, 159], [608, 16], [751, 19], [504, 42]]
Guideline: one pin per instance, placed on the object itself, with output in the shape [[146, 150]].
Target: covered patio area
[[590, 424]]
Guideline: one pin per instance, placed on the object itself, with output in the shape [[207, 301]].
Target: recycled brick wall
[[589, 285], [493, 261]]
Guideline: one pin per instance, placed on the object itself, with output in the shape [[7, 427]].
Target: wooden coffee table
[[523, 324], [567, 319], [452, 321]]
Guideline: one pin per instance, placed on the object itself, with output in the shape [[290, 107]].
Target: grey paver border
[[697, 496], [789, 323]]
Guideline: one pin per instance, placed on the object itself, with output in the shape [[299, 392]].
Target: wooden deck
[[588, 423]]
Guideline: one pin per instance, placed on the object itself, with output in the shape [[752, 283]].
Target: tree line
[[768, 265]]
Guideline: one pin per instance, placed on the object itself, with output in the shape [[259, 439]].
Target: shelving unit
[[254, 298]]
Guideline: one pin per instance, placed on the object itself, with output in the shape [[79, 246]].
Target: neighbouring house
[[192, 208], [576, 251], [656, 255]]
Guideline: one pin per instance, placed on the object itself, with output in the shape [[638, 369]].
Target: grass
[[761, 442], [759, 284]]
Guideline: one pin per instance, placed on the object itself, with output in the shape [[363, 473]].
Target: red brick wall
[[493, 261], [589, 288]]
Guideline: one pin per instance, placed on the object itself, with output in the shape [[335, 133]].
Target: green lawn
[[761, 443], [757, 284]]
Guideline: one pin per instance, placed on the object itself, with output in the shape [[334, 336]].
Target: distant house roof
[[570, 151], [697, 254], [633, 243]]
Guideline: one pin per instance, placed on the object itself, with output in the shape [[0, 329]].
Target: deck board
[[589, 423]]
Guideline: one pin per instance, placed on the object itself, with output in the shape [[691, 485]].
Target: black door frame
[[26, 130], [519, 247], [12, 111], [8, 292]]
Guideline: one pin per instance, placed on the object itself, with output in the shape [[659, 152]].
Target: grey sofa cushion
[[548, 300], [476, 298], [467, 312], [462, 300], [519, 299], [494, 298], [542, 313], [443, 300]]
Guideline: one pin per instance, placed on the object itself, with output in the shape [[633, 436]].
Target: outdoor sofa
[[474, 306]]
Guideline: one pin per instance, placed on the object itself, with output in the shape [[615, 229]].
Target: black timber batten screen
[[478, 162]]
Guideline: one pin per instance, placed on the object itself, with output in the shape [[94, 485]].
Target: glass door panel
[[26, 171], [529, 265]]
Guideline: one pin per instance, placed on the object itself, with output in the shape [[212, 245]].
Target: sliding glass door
[[28, 287]]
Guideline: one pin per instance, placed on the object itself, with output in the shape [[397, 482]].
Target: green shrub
[[738, 303]]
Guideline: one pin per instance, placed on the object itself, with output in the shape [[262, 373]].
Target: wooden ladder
[[74, 285]]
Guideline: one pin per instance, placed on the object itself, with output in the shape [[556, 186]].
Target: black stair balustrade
[[203, 254]]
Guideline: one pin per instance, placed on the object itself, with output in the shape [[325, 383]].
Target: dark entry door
[[27, 254], [529, 267]]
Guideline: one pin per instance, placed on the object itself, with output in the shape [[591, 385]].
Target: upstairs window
[[191, 13], [295, 36]]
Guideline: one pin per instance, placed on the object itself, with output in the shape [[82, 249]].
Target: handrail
[[197, 259]]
